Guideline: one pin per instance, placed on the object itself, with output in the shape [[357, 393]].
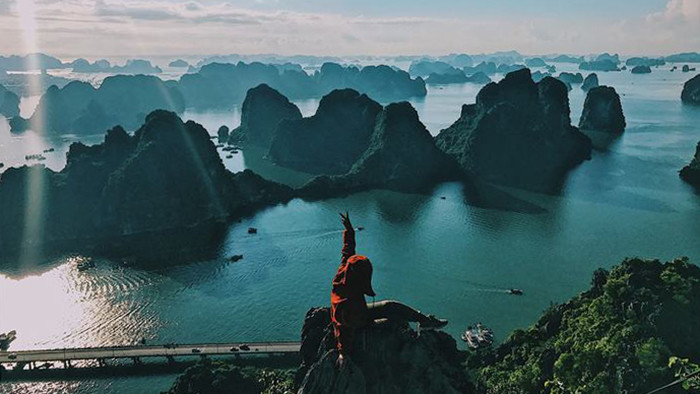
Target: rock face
[[330, 141], [602, 111], [392, 359], [690, 57], [590, 82], [9, 103], [123, 99], [641, 69], [263, 109], [518, 133], [691, 91], [488, 68], [691, 172], [401, 156], [166, 177], [535, 62]]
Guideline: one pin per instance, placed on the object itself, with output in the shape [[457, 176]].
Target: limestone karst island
[[349, 197]]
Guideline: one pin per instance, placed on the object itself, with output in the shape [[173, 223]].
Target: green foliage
[[220, 377], [615, 338], [683, 368]]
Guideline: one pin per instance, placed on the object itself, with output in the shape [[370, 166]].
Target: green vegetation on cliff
[[615, 338]]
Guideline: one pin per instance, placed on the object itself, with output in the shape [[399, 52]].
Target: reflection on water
[[452, 257]]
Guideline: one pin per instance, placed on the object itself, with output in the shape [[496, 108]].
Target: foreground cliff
[[393, 358], [518, 133], [165, 178], [615, 338]]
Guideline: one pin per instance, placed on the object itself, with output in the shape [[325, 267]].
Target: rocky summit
[[518, 133], [262, 111], [602, 111], [401, 156], [330, 141], [387, 358]]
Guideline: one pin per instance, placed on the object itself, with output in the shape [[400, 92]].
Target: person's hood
[[361, 269]]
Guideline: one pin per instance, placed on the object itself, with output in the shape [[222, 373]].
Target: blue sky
[[117, 28]]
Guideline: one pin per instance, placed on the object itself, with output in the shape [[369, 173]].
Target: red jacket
[[350, 284]]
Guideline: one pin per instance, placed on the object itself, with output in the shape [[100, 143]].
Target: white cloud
[[107, 28]]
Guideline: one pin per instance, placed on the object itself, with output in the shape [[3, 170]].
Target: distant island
[[179, 63], [81, 108]]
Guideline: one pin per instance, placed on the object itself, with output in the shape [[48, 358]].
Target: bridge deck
[[210, 349]]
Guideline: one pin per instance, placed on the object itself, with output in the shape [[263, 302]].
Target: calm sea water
[[443, 256]]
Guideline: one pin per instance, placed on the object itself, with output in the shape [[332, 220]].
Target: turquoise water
[[446, 257]]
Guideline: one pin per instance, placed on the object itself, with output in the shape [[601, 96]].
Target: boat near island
[[478, 336], [6, 339]]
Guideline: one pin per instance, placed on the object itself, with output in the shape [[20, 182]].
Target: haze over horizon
[[110, 28]]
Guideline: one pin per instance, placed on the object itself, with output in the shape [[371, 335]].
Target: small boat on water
[[83, 263], [478, 336], [252, 230], [6, 338], [515, 292]]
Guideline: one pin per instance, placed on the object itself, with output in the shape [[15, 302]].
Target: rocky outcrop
[[488, 68], [479, 78], [167, 177], [691, 91], [262, 111], [509, 68], [330, 141], [222, 134], [84, 66], [393, 358], [602, 111], [179, 63], [122, 99], [518, 133], [401, 156], [570, 78], [424, 68], [590, 82], [9, 103], [686, 68], [535, 62], [641, 69], [691, 172], [137, 66]]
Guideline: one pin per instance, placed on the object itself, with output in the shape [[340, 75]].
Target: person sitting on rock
[[349, 310]]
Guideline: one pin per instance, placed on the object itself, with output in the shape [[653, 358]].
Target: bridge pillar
[[137, 361], [67, 364], [101, 362]]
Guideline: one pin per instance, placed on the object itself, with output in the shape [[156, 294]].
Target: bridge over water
[[33, 359]]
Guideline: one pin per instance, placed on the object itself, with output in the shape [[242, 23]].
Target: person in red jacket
[[349, 310]]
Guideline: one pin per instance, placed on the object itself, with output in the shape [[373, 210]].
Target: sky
[[127, 28]]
